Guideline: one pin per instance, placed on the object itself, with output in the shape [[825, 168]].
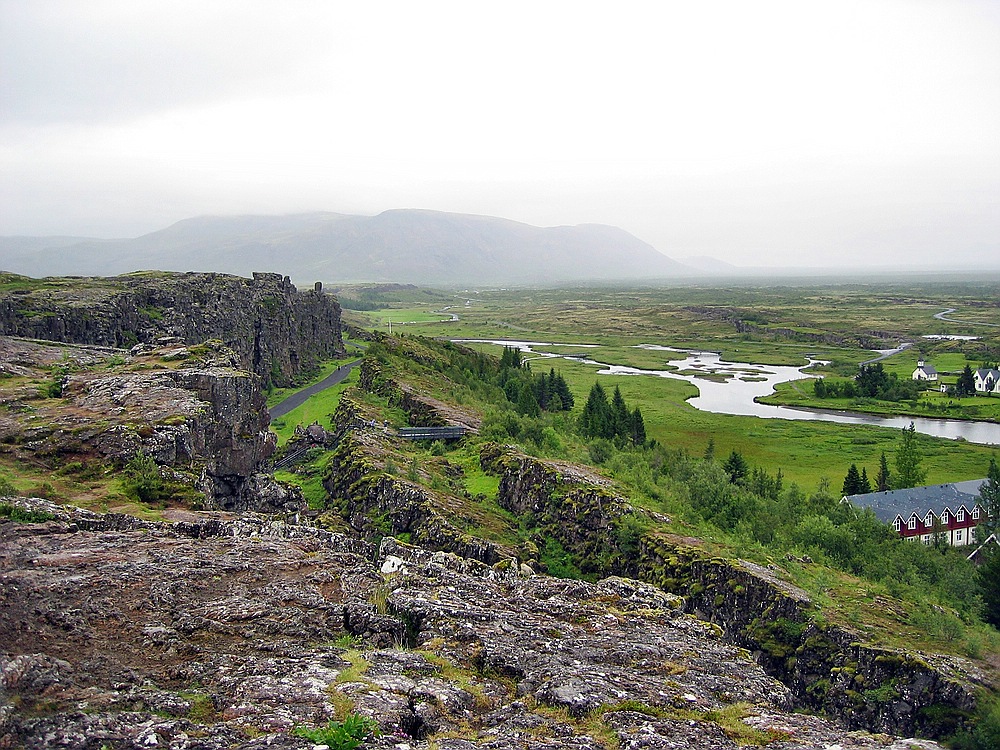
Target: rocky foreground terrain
[[214, 633]]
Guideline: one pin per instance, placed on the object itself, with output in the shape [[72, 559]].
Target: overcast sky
[[760, 133]]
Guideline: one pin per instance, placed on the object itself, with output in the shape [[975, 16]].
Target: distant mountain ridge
[[403, 245]]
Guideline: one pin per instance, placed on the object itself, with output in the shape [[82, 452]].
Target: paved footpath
[[298, 398]]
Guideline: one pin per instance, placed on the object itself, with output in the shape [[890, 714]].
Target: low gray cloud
[[774, 132]]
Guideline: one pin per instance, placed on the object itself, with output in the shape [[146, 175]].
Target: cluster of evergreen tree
[[825, 388], [907, 461], [741, 473], [856, 483], [611, 420], [966, 385], [532, 394], [872, 381]]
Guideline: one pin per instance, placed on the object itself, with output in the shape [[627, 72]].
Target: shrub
[[21, 515], [985, 735], [558, 561], [346, 735], [600, 450], [142, 479]]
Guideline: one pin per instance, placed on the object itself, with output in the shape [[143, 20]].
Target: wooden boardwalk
[[432, 433]]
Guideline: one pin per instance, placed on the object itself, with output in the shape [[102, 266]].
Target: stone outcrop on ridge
[[195, 413], [276, 331]]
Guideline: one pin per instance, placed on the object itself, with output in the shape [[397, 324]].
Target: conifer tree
[[736, 467], [709, 454], [865, 486], [852, 481], [871, 380], [883, 481], [638, 428], [511, 358], [527, 404], [908, 471], [966, 385], [595, 421], [562, 388], [542, 391], [620, 418]]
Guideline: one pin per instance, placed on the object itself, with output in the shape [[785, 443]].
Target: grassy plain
[[781, 325]]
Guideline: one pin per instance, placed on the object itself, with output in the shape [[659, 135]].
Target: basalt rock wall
[[202, 420], [211, 420], [277, 331], [826, 666], [377, 503]]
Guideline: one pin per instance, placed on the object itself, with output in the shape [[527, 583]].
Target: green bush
[[985, 735], [600, 450], [559, 561], [20, 515], [142, 480], [54, 388], [346, 735]]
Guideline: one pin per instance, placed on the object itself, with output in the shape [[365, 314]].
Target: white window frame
[[961, 515], [897, 524], [929, 519], [975, 513], [912, 523]]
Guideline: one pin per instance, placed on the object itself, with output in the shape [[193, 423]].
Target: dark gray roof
[[919, 500], [929, 369]]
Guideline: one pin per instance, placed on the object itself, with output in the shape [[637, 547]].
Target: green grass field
[[787, 326]]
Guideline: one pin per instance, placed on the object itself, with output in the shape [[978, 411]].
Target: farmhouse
[[949, 510], [987, 380], [925, 372]]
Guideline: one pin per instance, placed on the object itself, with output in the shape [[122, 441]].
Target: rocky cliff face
[[377, 503], [128, 634], [190, 409], [276, 331]]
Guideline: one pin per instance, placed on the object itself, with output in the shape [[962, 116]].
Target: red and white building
[[951, 511]]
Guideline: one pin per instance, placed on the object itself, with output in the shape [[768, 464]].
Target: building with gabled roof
[[925, 371], [949, 510], [987, 380]]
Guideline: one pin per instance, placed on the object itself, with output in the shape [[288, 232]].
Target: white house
[[987, 380], [925, 372]]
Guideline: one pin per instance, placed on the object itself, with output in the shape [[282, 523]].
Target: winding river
[[731, 387]]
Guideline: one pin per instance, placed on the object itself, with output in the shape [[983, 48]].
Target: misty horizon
[[774, 135]]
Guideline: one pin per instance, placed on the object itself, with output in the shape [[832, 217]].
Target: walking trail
[[298, 398]]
